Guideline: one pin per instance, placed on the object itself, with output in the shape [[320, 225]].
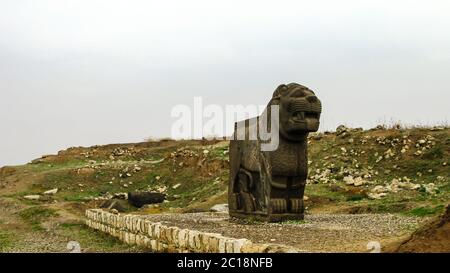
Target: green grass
[[36, 215], [200, 189], [434, 153], [94, 185], [445, 187], [219, 153], [5, 240], [252, 220], [79, 196], [43, 167], [323, 190], [92, 240], [388, 207], [19, 196], [426, 211], [356, 197]]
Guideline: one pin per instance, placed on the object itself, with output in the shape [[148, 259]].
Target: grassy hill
[[382, 170]]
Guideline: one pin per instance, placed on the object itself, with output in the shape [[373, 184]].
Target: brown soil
[[432, 237]]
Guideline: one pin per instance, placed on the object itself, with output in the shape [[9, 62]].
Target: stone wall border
[[156, 237]]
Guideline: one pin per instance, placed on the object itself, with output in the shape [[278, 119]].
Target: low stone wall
[[136, 230]]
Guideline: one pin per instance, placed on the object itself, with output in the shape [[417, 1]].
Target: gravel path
[[318, 233]]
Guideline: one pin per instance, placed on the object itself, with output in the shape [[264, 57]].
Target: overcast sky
[[86, 72]]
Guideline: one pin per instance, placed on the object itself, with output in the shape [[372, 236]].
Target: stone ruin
[[269, 185]]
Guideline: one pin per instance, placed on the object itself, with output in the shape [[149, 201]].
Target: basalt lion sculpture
[[269, 185]]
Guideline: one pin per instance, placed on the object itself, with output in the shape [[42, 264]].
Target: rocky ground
[[402, 172]]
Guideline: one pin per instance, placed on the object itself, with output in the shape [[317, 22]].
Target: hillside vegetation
[[402, 171]]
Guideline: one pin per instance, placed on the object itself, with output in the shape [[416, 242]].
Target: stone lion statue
[[269, 185]]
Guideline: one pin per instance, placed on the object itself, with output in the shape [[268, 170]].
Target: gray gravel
[[318, 233]]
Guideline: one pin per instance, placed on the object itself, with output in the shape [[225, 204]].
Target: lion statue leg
[[286, 198]]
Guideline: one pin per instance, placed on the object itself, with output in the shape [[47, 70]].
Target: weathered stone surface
[[139, 199], [136, 230], [214, 244], [270, 184], [238, 244]]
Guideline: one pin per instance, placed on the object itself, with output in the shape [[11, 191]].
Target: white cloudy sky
[[91, 72]]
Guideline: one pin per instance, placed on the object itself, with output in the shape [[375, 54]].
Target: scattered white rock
[[430, 188], [377, 195], [162, 189], [349, 180], [220, 208], [32, 197], [51, 192], [378, 189], [358, 181], [409, 185], [389, 153], [176, 186]]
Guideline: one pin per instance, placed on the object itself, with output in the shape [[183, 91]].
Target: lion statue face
[[300, 110]]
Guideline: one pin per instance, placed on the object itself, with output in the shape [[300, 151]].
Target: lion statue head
[[300, 110]]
